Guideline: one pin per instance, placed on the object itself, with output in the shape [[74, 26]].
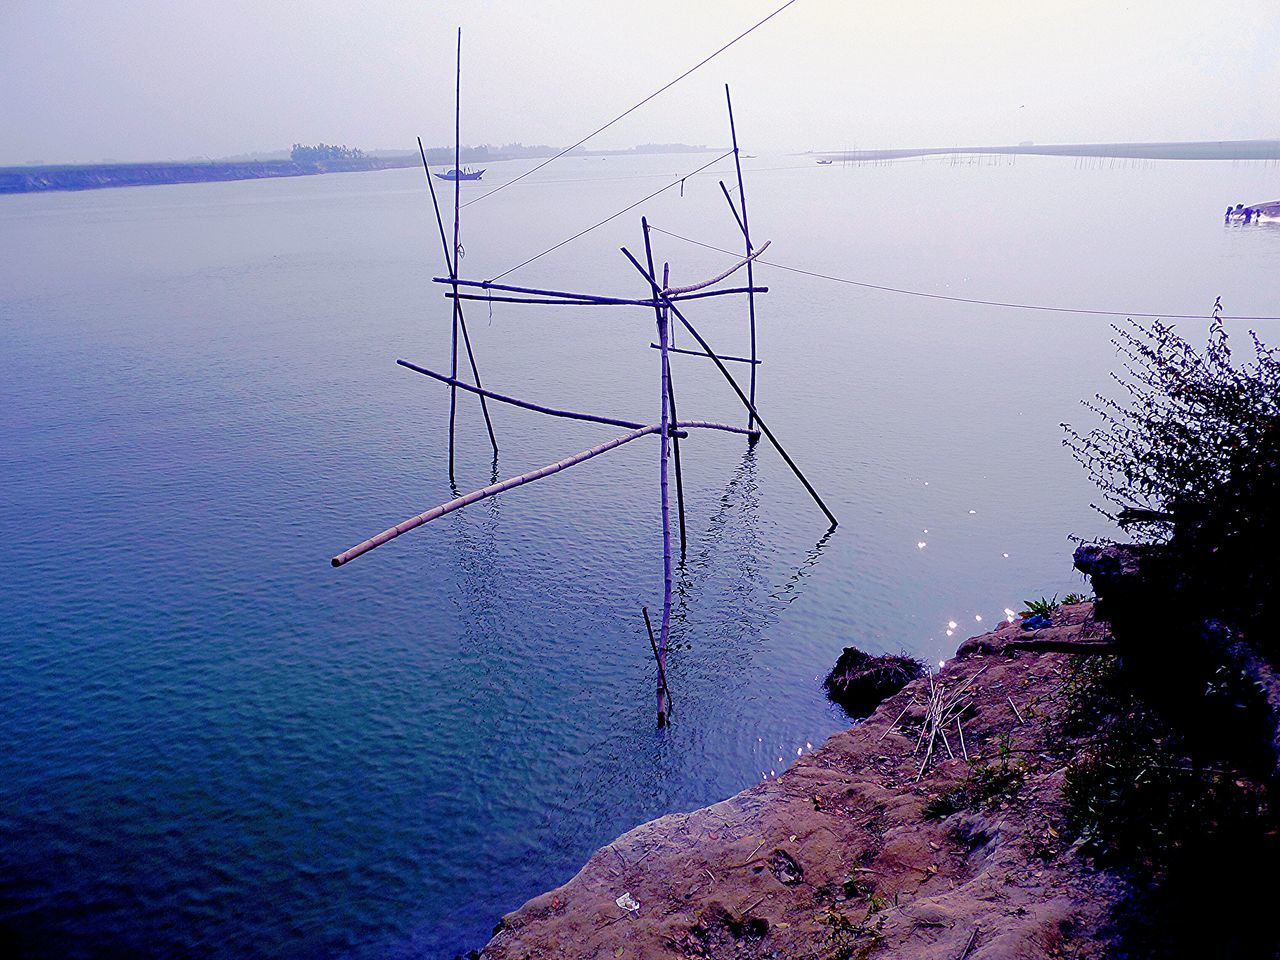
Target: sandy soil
[[836, 858]]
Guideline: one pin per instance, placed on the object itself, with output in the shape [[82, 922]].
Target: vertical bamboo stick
[[660, 313], [665, 438], [457, 203], [675, 418], [746, 234], [664, 633], [724, 371], [452, 267]]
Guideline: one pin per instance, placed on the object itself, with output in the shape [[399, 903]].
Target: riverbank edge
[[851, 852], [19, 180]]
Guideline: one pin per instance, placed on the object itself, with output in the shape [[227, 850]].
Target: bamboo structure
[[663, 300]]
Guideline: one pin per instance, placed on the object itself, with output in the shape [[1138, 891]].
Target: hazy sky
[[83, 80]]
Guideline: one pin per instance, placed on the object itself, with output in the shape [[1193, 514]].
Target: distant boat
[[824, 162], [465, 174]]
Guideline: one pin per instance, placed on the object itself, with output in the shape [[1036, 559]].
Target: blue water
[[215, 745]]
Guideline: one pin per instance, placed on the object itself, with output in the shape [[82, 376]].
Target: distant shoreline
[[98, 176], [104, 175], [1154, 150]]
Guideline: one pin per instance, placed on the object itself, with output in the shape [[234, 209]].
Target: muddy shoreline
[[854, 852]]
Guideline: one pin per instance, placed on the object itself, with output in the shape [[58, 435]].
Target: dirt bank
[[847, 854]]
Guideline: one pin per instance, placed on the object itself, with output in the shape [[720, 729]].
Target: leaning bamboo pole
[[746, 235], [452, 265], [751, 408], [513, 401], [495, 488], [457, 206]]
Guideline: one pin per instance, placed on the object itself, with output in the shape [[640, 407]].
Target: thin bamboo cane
[[660, 314], [495, 488], [457, 201], [699, 353], [451, 264], [596, 301], [501, 398], [584, 297], [755, 415], [678, 292], [675, 440], [746, 233], [664, 633]]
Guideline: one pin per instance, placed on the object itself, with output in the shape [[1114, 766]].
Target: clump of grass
[[985, 784], [1072, 598], [1044, 607]]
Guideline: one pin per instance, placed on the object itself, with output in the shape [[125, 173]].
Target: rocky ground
[[853, 853]]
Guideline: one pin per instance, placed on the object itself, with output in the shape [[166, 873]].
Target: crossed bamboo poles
[[670, 429]]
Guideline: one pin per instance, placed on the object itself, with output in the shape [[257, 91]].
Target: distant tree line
[[302, 153]]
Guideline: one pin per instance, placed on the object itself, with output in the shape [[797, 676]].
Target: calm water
[[215, 745]]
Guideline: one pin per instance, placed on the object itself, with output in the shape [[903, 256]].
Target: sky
[[88, 80]]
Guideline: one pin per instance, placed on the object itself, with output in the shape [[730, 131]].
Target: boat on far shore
[[466, 173]]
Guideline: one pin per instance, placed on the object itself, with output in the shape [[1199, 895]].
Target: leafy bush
[[1190, 459], [1191, 422]]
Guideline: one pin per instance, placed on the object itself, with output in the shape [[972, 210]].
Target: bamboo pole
[[660, 313], [495, 488], [699, 353], [457, 204], [452, 266], [675, 439], [567, 414], [746, 234], [664, 631], [596, 301], [755, 415], [584, 297]]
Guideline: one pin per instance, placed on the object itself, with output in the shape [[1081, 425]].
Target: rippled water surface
[[215, 745]]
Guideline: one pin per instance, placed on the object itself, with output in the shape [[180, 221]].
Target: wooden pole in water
[[664, 632], [660, 313], [675, 439], [452, 266], [746, 234], [755, 414], [457, 205]]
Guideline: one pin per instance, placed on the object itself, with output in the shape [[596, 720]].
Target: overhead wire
[[954, 299], [632, 109], [612, 216]]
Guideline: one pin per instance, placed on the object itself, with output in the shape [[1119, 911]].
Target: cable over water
[[612, 216], [632, 109], [942, 296]]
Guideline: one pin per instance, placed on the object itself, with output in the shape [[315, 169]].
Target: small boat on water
[[824, 162], [1255, 213], [464, 174]]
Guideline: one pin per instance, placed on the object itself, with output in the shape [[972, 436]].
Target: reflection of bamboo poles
[[495, 488]]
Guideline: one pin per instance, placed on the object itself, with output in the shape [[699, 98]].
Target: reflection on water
[[216, 745]]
